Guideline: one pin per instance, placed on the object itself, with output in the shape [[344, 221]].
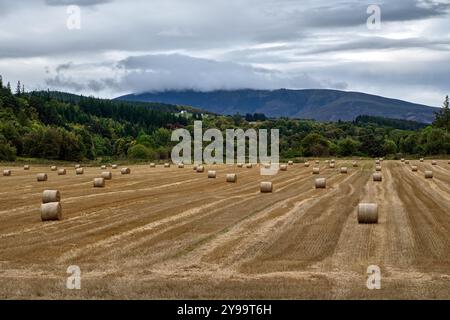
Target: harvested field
[[170, 233]]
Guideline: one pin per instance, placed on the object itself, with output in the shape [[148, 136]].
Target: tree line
[[68, 127]]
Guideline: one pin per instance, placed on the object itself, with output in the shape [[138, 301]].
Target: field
[[170, 233]]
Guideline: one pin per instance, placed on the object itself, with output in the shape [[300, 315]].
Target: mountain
[[318, 104]]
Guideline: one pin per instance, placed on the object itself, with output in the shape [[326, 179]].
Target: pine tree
[[23, 88], [1, 82], [8, 87], [443, 116], [18, 88]]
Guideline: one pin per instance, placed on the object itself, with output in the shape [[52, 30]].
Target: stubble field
[[170, 233]]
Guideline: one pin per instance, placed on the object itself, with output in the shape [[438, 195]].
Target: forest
[[59, 126]]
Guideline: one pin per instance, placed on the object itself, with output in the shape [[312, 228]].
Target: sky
[[107, 48]]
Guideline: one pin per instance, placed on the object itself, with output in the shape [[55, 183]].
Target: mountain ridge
[[317, 104]]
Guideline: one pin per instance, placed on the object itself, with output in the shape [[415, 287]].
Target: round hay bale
[[377, 177], [166, 165], [377, 162], [378, 168], [103, 167], [291, 163], [422, 160], [327, 161], [402, 160], [180, 165], [344, 170], [406, 161], [114, 166], [355, 164], [77, 166], [232, 177], [26, 167], [317, 162], [332, 161], [448, 162], [211, 174], [152, 165], [51, 196], [266, 187], [332, 166], [283, 167], [434, 163], [414, 168], [200, 169], [99, 183], [6, 173], [307, 164], [321, 183], [249, 165], [367, 213], [240, 165], [266, 165], [62, 172], [195, 167], [79, 171], [51, 211], [125, 171], [107, 175], [53, 168], [41, 177], [428, 174], [316, 170], [381, 159]]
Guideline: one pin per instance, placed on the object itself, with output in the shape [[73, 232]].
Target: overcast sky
[[136, 45]]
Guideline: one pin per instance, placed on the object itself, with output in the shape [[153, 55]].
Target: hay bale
[[316, 170], [266, 187], [377, 162], [381, 159], [406, 161], [377, 177], [180, 165], [355, 164], [77, 166], [434, 163], [152, 165], [26, 167], [332, 161], [232, 177], [402, 160], [107, 175], [41, 177], [414, 168], [266, 165], [51, 196], [51, 211], [79, 171], [211, 174], [6, 173], [249, 165], [367, 213], [99, 183], [114, 166], [321, 183], [283, 167], [240, 165], [307, 164], [194, 167], [344, 170], [291, 163], [125, 171], [378, 168], [103, 167], [421, 160], [332, 166], [53, 168], [448, 162], [428, 174], [62, 172], [166, 165], [317, 161], [200, 169]]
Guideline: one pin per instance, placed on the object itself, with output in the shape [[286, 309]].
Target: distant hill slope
[[318, 104]]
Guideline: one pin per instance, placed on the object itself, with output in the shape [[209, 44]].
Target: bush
[[7, 152], [139, 152]]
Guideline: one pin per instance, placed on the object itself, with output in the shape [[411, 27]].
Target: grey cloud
[[81, 3]]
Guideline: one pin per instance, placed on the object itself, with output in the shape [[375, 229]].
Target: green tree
[[347, 147], [443, 116], [389, 147]]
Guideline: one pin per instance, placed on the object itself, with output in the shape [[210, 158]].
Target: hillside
[[322, 105]]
